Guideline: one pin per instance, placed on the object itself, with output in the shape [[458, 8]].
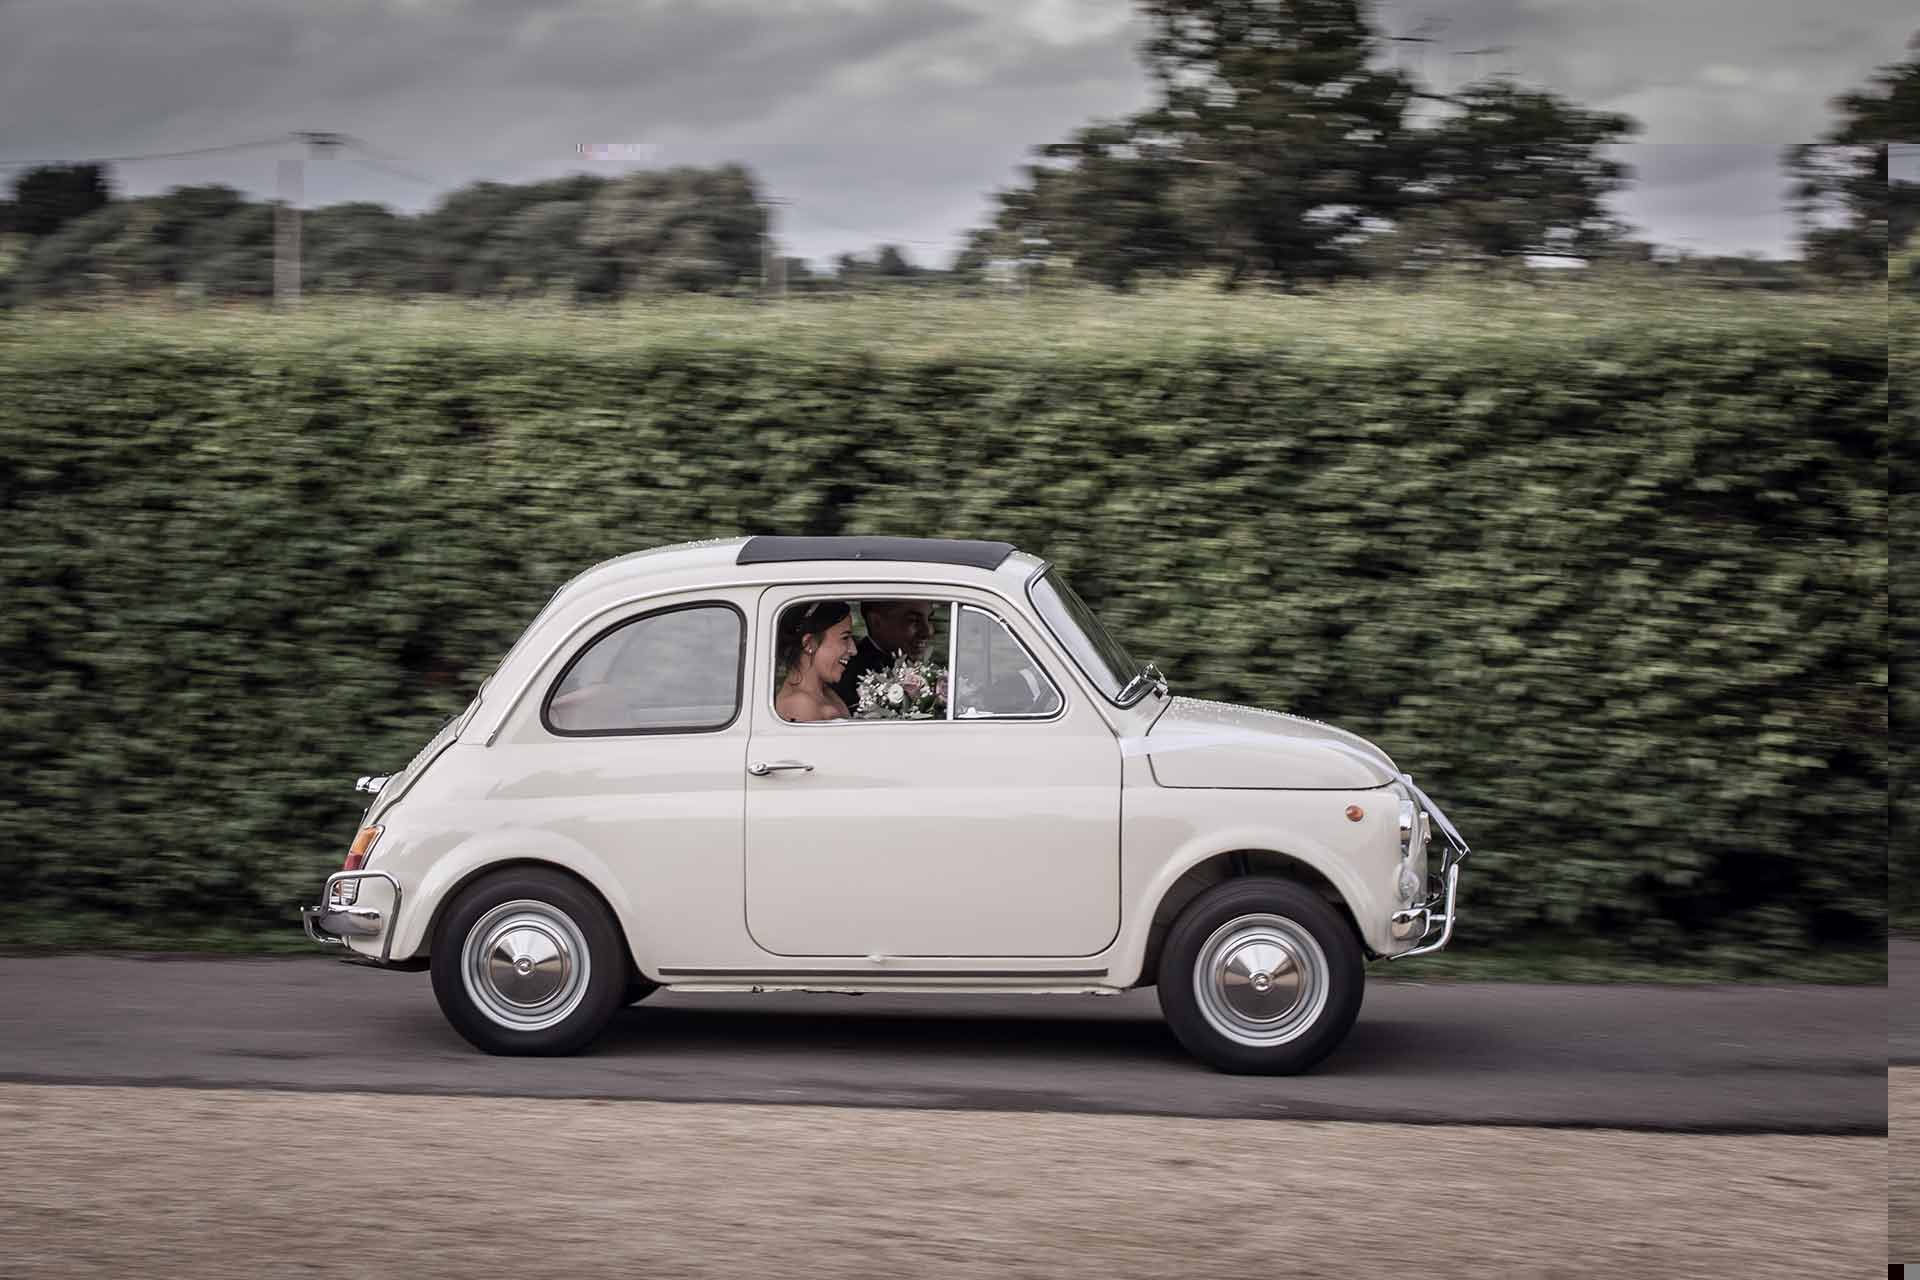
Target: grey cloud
[[876, 119], [88, 68], [1710, 197]]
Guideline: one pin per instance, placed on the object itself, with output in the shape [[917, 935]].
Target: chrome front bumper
[[1440, 910], [332, 922]]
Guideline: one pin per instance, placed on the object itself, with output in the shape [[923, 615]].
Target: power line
[[390, 170], [386, 161], [151, 155], [873, 236]]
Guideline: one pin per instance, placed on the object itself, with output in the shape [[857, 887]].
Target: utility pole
[[773, 275], [286, 228]]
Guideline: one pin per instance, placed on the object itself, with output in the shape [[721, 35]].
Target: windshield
[[1104, 659]]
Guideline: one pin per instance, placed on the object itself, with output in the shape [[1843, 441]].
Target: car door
[[991, 832], [631, 754]]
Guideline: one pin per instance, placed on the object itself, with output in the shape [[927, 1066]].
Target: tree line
[[1279, 149]]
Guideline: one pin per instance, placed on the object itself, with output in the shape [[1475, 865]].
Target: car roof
[[766, 549], [720, 557]]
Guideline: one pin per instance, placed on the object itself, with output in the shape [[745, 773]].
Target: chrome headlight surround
[[1416, 829]]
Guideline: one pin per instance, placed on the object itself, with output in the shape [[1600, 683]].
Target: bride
[[814, 643]]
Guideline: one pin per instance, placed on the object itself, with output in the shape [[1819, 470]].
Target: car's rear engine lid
[[397, 785], [1195, 743]]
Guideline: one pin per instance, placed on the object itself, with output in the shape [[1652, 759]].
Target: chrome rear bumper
[[332, 922]]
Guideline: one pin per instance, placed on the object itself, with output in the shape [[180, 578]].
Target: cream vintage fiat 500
[[880, 764]]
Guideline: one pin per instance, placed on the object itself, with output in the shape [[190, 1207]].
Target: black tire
[[538, 910], [638, 989], [1280, 916]]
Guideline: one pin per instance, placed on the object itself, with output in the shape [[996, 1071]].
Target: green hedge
[[1608, 574], [1904, 518]]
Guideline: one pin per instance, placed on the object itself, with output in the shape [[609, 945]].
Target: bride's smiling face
[[832, 650]]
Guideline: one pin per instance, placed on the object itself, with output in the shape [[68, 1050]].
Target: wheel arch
[[1231, 864], [452, 873], [454, 891]]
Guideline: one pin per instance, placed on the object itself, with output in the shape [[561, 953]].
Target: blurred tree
[[1300, 139], [1273, 140], [679, 229], [799, 275], [361, 247], [1112, 212], [540, 250], [50, 196], [1280, 151], [887, 266], [231, 256], [203, 240], [1513, 172], [68, 261], [892, 261], [1849, 212], [473, 240]]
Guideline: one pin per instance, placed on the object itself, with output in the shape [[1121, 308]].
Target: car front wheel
[[528, 961], [1261, 976]]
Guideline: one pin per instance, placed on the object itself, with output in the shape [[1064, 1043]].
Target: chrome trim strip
[[311, 916], [785, 975], [953, 659], [953, 655]]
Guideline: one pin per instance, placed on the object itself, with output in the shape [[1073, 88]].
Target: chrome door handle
[[760, 768]]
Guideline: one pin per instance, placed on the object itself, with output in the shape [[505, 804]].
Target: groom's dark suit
[[867, 657]]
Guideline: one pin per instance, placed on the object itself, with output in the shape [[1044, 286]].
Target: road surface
[[1724, 1059]]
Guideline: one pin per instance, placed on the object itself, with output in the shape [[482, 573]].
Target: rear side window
[[676, 671]]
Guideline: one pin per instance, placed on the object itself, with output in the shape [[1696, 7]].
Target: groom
[[893, 626]]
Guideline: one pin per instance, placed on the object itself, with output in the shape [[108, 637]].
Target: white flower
[[896, 695]]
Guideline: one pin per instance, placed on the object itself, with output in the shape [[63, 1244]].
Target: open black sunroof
[[766, 549]]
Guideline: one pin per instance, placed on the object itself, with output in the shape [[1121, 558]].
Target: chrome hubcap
[[1261, 980], [526, 965]]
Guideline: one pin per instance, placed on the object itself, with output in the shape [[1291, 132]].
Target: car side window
[[861, 659], [675, 671], [997, 677]]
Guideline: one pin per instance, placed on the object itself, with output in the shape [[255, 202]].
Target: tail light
[[347, 892]]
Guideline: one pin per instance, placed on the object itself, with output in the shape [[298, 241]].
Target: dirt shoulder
[[1903, 1164], [222, 1183]]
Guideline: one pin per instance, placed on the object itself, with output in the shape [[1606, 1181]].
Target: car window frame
[[1043, 569], [853, 593], [953, 672], [587, 646]]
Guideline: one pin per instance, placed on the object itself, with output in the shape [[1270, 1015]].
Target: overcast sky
[[875, 120]]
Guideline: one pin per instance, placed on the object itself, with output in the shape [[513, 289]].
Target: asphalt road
[[1715, 1059], [1903, 1001]]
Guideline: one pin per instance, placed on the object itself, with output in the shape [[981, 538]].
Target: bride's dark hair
[[800, 621]]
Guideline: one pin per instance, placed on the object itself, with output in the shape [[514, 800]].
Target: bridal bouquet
[[907, 690]]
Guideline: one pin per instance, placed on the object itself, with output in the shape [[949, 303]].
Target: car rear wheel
[[528, 961], [1261, 976]]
